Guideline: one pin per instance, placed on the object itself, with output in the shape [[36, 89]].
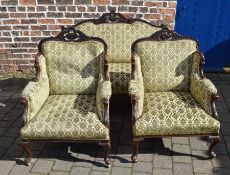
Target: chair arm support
[[204, 92], [136, 92], [104, 92], [33, 96], [202, 88], [134, 88]]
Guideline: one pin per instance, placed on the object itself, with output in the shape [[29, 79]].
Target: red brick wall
[[23, 23]]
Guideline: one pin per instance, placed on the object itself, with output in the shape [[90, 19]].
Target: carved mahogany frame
[[113, 17], [69, 35], [168, 35]]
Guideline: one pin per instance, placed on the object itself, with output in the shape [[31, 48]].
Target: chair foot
[[134, 158], [135, 149], [215, 140], [26, 147], [107, 148], [212, 154]]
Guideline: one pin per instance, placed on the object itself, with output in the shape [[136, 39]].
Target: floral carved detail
[[70, 34], [111, 17], [165, 35]]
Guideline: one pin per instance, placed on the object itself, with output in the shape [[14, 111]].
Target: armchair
[[171, 96], [69, 102]]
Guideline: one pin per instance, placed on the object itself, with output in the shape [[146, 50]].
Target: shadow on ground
[[173, 150]]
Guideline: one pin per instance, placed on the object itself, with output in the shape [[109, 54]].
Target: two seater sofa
[[119, 33]]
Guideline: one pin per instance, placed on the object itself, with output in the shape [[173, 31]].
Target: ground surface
[[166, 156]]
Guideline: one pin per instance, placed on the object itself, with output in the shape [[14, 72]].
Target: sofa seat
[[119, 76], [68, 117], [173, 113]]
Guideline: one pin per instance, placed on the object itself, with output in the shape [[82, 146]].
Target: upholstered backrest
[[166, 65], [118, 36], [73, 68]]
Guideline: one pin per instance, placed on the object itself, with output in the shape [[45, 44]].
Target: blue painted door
[[209, 22]]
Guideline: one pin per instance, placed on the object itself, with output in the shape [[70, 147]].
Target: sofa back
[[166, 65], [73, 68], [118, 32]]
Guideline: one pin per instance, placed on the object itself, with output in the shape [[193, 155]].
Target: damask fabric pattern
[[120, 75], [72, 67], [69, 117], [37, 92], [201, 89], [118, 36], [173, 113], [166, 65], [104, 90], [136, 87], [137, 71]]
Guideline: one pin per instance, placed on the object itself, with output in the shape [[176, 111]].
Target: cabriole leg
[[215, 140], [107, 148], [135, 149], [26, 146]]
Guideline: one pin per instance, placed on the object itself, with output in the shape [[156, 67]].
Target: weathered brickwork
[[23, 23]]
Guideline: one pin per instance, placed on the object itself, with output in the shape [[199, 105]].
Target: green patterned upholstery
[[120, 75], [136, 90], [166, 65], [173, 113], [69, 117], [79, 74], [119, 38], [176, 100], [104, 91], [37, 92], [66, 103], [136, 87], [201, 89]]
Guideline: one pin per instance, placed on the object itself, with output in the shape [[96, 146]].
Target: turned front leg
[[215, 140], [107, 148], [26, 147], [136, 142]]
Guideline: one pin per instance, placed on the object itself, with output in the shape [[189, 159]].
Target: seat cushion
[[119, 76], [68, 117], [173, 113]]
